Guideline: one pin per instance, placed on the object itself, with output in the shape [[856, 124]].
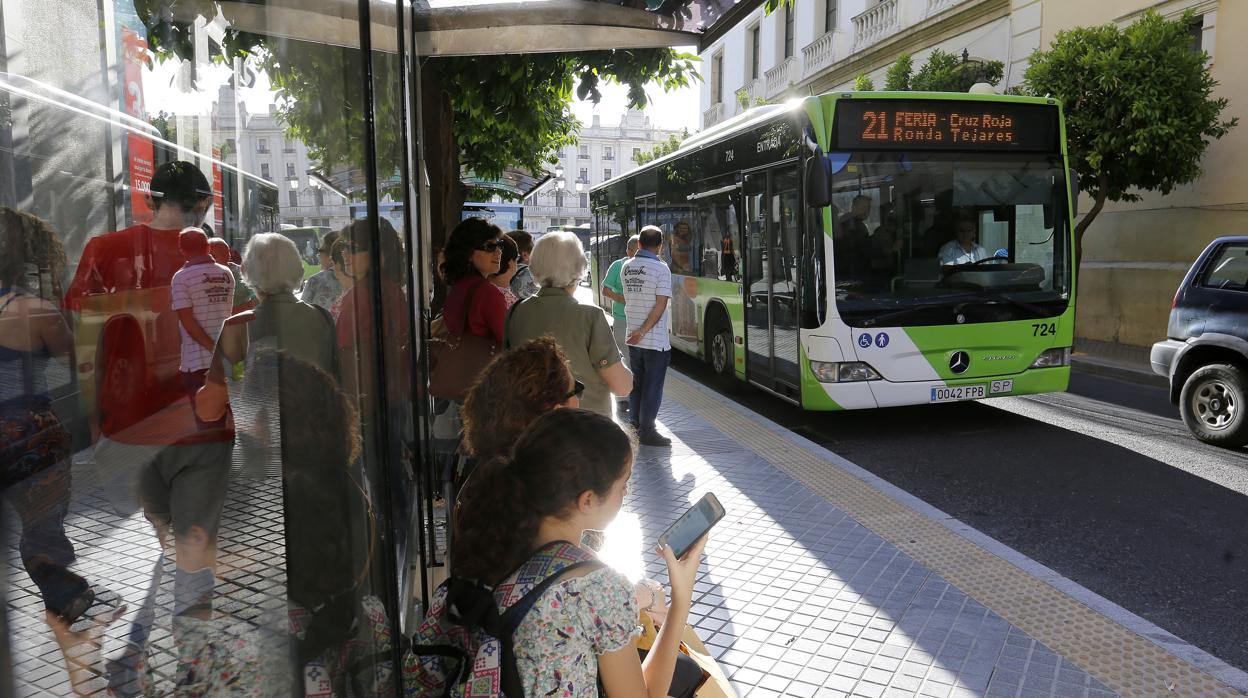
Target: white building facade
[[601, 152], [259, 145], [816, 46]]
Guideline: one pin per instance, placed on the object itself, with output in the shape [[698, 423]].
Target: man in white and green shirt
[[613, 288]]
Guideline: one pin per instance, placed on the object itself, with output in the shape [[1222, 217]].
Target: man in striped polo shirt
[[647, 294]]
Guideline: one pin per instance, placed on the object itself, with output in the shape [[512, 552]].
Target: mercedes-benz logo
[[959, 362]]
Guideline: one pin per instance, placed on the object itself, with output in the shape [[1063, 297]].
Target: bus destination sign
[[944, 125]]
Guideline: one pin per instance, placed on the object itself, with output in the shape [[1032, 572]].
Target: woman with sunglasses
[[558, 264], [475, 306]]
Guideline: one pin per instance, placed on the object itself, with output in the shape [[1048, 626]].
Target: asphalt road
[[1102, 484]]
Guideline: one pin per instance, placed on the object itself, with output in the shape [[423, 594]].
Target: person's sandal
[[77, 606]]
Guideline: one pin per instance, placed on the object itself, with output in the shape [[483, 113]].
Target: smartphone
[[694, 524]]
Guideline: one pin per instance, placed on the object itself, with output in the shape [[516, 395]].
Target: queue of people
[[263, 358]]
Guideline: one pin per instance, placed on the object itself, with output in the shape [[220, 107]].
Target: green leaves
[[671, 145], [897, 78], [945, 72], [862, 83], [1140, 110]]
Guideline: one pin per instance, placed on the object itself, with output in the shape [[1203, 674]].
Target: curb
[[1111, 369]]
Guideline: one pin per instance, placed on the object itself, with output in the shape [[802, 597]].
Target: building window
[[585, 152], [636, 153], [606, 174], [584, 175], [788, 32], [755, 51], [584, 200], [262, 145], [608, 153], [320, 196], [717, 78], [288, 147], [1196, 30], [290, 169], [292, 198], [829, 15], [264, 170]]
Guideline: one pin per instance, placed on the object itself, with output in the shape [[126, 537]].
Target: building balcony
[[780, 77], [878, 22], [714, 115], [749, 95], [819, 54]]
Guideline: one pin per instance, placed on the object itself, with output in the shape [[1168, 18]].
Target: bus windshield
[[931, 238]]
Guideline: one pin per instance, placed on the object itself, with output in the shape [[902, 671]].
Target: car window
[[1228, 269]]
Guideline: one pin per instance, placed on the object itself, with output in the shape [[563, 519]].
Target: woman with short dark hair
[[474, 306]]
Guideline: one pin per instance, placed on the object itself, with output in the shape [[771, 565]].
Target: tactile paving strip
[[1118, 657]]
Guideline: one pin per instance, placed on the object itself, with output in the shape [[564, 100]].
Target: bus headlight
[[843, 372], [1052, 357]]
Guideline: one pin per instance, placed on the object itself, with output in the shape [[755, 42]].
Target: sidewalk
[[1121, 361], [824, 580]]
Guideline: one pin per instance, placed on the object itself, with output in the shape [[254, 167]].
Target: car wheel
[[1213, 405]]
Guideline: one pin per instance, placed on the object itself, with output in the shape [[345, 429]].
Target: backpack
[[463, 649]]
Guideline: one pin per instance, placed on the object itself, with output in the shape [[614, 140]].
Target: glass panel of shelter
[[209, 450]]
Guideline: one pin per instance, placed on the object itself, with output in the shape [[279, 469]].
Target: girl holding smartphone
[[569, 472]]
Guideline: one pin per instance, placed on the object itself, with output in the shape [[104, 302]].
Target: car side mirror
[[818, 190]]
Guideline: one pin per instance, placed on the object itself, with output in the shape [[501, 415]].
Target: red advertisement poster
[[218, 195], [139, 147]]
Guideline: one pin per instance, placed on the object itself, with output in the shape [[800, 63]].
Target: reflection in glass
[[215, 459]]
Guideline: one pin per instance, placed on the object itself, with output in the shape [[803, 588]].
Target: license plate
[[960, 392]]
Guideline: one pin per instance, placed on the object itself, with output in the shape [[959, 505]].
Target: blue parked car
[[1205, 355]]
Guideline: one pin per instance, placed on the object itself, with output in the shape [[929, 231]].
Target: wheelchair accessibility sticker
[[865, 340]]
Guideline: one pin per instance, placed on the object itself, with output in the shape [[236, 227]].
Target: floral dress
[[577, 620]]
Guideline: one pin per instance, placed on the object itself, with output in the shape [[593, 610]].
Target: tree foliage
[[508, 110], [897, 78], [671, 145], [1139, 106], [863, 83], [945, 72]]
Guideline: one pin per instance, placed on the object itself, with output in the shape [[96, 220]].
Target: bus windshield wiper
[[875, 321]]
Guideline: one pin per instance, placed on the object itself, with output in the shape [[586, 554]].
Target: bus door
[[772, 234]]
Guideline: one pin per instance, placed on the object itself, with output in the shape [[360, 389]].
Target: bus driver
[[963, 249]]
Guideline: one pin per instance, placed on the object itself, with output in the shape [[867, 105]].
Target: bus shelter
[[190, 532]]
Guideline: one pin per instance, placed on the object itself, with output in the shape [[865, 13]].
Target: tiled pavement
[[119, 555], [797, 597]]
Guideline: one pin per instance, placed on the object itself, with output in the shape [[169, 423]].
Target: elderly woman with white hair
[[558, 264], [273, 269]]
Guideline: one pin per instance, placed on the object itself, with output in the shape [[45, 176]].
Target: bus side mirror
[[1073, 180], [818, 181]]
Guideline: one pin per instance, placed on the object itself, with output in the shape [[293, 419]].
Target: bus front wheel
[[719, 347]]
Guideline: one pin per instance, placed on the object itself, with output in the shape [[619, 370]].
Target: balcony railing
[[876, 23], [819, 54], [714, 115], [780, 77], [935, 7], [749, 95]]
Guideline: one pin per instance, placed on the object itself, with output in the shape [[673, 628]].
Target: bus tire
[[122, 361], [719, 346], [1213, 405]]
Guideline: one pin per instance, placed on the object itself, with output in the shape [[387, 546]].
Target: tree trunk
[[446, 191], [1102, 187]]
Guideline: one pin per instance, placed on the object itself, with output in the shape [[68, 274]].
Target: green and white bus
[[866, 249]]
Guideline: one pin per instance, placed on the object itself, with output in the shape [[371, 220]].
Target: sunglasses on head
[[577, 388], [491, 246]]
